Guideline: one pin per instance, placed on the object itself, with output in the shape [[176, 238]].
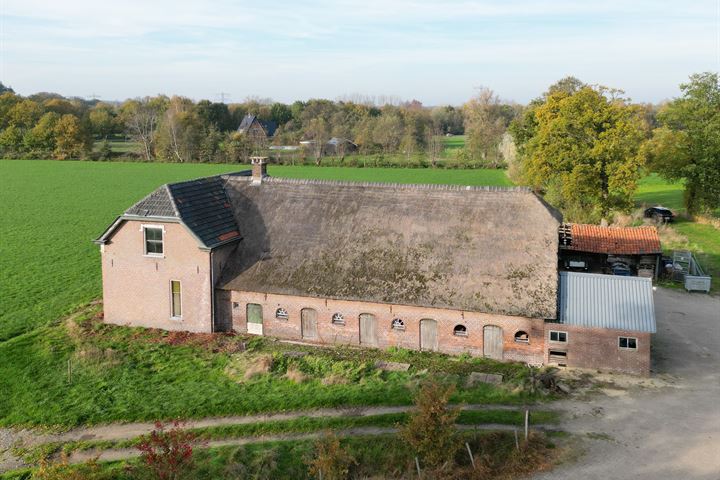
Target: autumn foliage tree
[[581, 147], [330, 461]]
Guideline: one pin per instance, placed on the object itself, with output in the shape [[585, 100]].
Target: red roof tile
[[615, 240]]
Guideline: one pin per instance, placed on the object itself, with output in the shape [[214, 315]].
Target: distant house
[[256, 129], [592, 248], [336, 146]]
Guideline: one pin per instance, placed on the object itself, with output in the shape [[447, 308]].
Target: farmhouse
[[256, 130], [434, 267]]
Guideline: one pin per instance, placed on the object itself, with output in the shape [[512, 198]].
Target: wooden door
[[308, 318], [493, 342], [254, 318], [368, 330], [428, 335]]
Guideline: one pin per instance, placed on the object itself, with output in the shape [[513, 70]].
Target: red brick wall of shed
[[410, 338], [136, 288], [597, 349]]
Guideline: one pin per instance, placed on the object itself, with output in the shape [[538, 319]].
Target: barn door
[[368, 330], [254, 319], [309, 323], [428, 335], [493, 342]]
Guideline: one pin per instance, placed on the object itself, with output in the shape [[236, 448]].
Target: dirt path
[[126, 453], [666, 433], [123, 431]]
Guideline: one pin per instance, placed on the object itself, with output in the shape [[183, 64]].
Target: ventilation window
[[398, 324], [522, 337], [557, 357], [627, 343], [281, 314], [556, 336], [460, 331], [338, 319]]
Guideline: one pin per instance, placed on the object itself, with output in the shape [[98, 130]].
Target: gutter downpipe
[[212, 293]]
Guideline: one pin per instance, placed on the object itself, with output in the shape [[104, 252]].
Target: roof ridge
[[172, 200], [402, 186]]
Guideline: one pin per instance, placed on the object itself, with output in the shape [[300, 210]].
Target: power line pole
[[94, 96], [223, 96]]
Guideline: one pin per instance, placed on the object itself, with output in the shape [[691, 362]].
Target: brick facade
[[597, 349], [349, 333]]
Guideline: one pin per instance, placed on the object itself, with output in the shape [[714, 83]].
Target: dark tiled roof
[[248, 120], [614, 240], [485, 249], [200, 204]]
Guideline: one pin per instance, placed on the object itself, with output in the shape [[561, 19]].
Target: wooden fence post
[[472, 460], [417, 464], [527, 417]]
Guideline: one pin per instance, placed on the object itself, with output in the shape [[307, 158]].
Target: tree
[[167, 453], [179, 132], [280, 113], [431, 431], [4, 88], [42, 136], [582, 150], [388, 131], [141, 120], [102, 120], [687, 143], [434, 144], [317, 131], [70, 139], [484, 127]]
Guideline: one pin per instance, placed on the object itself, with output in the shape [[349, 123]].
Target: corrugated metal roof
[[606, 301], [615, 240]]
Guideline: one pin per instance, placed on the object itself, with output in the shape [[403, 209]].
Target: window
[[522, 337], [175, 300], [281, 314], [338, 319], [460, 331], [557, 357], [627, 343], [398, 324], [556, 336], [153, 241]]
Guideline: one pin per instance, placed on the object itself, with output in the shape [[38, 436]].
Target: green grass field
[[655, 190]]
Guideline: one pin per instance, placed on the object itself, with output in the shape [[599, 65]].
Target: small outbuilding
[[604, 322], [633, 251]]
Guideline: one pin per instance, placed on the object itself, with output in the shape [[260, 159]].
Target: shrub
[[331, 460], [61, 470], [431, 431], [168, 454]]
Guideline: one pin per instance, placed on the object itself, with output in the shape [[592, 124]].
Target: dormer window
[[153, 241]]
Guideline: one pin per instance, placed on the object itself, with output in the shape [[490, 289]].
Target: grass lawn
[[52, 211], [135, 374], [453, 143], [655, 190]]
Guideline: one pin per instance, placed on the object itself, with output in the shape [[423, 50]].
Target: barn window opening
[[153, 241], [398, 324], [175, 300], [557, 357], [627, 343], [556, 336], [281, 314], [522, 337], [460, 331], [338, 319]]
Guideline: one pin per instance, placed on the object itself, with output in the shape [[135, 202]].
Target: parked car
[[659, 214], [621, 269]]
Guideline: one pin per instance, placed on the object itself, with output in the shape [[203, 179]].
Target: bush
[[431, 431], [167, 454], [331, 460]]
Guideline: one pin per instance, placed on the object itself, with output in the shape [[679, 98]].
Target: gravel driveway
[[666, 428]]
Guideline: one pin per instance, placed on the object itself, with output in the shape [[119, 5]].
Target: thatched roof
[[483, 249]]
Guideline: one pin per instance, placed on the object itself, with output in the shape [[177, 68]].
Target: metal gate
[[493, 342], [428, 335]]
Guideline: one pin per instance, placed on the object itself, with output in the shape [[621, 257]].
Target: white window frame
[[627, 338], [567, 337], [338, 319], [172, 300], [143, 228]]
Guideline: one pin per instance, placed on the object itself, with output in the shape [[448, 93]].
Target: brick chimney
[[259, 169]]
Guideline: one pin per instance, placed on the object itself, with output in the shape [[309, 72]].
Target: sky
[[438, 52]]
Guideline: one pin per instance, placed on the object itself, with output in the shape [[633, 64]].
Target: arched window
[[281, 314], [522, 336], [338, 319], [398, 324], [460, 331]]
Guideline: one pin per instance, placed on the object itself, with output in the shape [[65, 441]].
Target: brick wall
[[597, 348], [385, 313], [136, 288]]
